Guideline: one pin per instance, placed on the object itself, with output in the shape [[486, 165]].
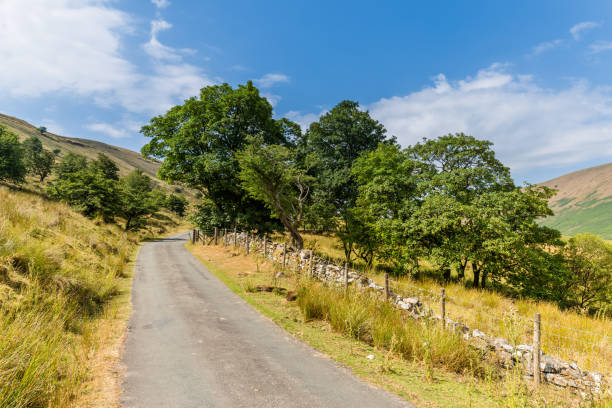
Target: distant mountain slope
[[583, 202], [127, 160]]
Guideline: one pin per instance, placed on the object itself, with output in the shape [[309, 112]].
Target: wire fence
[[589, 349]]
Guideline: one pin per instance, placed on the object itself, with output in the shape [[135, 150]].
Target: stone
[[478, 334], [595, 376], [291, 296]]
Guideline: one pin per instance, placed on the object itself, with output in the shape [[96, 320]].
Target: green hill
[[583, 202]]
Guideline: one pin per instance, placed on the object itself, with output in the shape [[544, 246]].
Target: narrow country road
[[192, 342]]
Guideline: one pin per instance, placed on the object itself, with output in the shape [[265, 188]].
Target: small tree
[[70, 164], [589, 259], [106, 166], [177, 204], [269, 173], [38, 160], [12, 167], [138, 200], [87, 187], [42, 130]]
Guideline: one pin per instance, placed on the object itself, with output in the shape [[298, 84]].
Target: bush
[[12, 167]]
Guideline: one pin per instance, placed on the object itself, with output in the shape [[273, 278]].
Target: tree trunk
[[293, 229], [447, 274], [127, 223], [483, 280], [476, 275], [461, 274]]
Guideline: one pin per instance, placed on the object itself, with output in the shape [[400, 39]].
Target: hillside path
[[192, 342]]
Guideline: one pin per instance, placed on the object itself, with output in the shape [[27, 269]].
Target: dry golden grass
[[574, 337]]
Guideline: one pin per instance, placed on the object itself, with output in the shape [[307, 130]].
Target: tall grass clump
[[364, 316], [58, 273]]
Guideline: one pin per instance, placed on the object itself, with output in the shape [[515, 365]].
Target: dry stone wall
[[553, 370]]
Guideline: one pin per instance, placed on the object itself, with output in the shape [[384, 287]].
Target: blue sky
[[533, 77]]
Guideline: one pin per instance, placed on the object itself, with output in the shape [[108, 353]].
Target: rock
[[370, 356], [291, 296], [595, 376], [279, 275], [550, 364], [478, 334]]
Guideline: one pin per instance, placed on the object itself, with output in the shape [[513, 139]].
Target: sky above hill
[[533, 77]]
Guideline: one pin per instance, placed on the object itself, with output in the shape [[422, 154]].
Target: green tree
[[138, 199], [389, 196], [12, 167], [42, 130], [177, 204], [459, 169], [269, 173], [71, 163], [89, 192], [38, 160], [87, 187], [108, 167], [589, 260], [198, 142], [330, 147]]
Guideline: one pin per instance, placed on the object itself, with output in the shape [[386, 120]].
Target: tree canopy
[[38, 160], [12, 167], [269, 173], [198, 142]]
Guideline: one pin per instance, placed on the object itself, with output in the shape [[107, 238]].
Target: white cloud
[[600, 46], [76, 48], [579, 28], [161, 3], [269, 80], [61, 45], [272, 98], [531, 127], [108, 130], [546, 46], [158, 50], [304, 119]]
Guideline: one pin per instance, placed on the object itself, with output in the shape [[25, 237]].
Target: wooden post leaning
[[536, 350], [386, 285], [443, 306], [345, 278]]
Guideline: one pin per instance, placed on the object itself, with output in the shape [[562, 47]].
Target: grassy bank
[[64, 302], [572, 336], [422, 364]]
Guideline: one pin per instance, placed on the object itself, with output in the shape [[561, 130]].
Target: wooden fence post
[[224, 240], [265, 246], [284, 254], [248, 238], [536, 350], [386, 286], [235, 236], [345, 278], [216, 236], [310, 265], [443, 307], [193, 236]]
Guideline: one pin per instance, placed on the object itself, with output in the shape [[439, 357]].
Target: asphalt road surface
[[192, 342]]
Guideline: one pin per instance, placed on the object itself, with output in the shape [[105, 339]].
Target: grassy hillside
[[127, 160], [583, 202], [60, 274]]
